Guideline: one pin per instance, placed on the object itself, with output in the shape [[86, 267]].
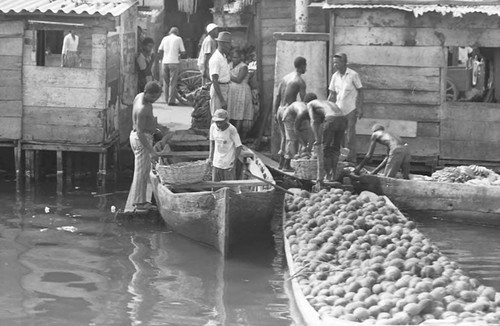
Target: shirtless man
[[298, 134], [291, 85], [328, 125], [141, 141], [398, 154]]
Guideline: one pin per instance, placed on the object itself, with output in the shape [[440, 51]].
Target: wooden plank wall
[[276, 16], [65, 104], [402, 63], [11, 55]]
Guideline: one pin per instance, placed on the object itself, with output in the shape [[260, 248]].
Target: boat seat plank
[[187, 154], [220, 184]]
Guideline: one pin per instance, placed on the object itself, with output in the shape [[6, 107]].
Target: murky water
[[73, 265]]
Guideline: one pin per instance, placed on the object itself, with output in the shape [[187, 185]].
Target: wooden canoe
[[302, 311], [219, 214], [452, 201]]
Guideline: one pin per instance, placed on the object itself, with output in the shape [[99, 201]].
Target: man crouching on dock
[[225, 147], [398, 155], [141, 141]]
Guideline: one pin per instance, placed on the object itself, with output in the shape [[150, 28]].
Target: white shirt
[[172, 46], [218, 66], [346, 87], [208, 46], [226, 143], [70, 44]]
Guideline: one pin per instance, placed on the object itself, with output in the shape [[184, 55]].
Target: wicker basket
[[182, 173], [306, 169]]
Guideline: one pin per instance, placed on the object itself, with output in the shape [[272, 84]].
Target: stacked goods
[[472, 174], [360, 260]]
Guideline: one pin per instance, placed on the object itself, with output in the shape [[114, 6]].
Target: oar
[[270, 183]]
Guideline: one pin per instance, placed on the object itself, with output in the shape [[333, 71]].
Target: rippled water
[[76, 266]]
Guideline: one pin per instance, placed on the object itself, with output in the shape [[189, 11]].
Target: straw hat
[[224, 37]]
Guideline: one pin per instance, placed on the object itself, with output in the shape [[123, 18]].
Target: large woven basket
[[182, 173], [306, 169]]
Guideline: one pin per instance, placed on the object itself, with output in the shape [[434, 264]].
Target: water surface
[[65, 261]]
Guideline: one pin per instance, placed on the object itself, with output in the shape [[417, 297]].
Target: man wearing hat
[[220, 73], [345, 91], [225, 147], [208, 47], [171, 48]]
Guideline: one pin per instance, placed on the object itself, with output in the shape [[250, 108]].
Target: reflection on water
[[75, 266]]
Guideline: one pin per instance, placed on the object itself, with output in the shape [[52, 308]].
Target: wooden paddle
[[270, 183]]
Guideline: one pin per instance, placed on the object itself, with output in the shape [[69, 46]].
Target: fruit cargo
[[356, 260], [461, 202]]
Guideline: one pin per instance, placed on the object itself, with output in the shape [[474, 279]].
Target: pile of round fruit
[[358, 258]]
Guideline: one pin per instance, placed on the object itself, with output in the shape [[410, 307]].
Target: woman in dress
[[240, 96]]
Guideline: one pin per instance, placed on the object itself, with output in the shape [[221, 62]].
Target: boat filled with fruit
[[465, 193], [356, 260]]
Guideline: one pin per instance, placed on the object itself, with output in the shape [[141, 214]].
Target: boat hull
[[451, 201], [221, 218]]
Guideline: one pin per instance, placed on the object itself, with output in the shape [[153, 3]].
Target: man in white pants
[[220, 73], [141, 141]]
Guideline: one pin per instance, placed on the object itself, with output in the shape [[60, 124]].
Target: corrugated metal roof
[[79, 7], [455, 10]]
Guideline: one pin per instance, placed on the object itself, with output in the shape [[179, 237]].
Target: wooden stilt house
[[431, 73], [82, 108]]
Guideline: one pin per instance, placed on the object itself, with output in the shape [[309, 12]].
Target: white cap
[[210, 27]]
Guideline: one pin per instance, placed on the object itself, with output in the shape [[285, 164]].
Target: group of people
[[325, 125], [218, 63], [226, 104], [229, 76]]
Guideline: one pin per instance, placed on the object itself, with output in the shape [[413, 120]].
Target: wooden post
[[101, 175], [301, 15], [331, 48], [116, 161], [17, 163], [28, 166], [59, 173], [69, 177]]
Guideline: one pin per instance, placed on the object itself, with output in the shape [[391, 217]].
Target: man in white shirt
[[220, 73], [208, 47], [225, 147], [346, 91], [171, 48], [69, 54]]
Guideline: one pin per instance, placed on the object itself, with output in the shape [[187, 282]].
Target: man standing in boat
[[328, 124], [290, 86], [398, 155], [141, 141], [225, 147]]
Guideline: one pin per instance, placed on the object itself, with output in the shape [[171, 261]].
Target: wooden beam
[[221, 184], [187, 154], [331, 48], [288, 36]]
